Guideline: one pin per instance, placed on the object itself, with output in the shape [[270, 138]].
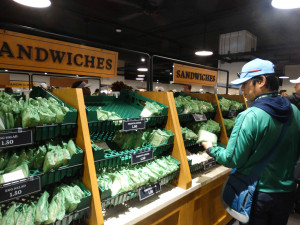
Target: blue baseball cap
[[256, 67]]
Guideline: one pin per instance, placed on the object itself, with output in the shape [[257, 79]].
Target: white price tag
[[16, 175]]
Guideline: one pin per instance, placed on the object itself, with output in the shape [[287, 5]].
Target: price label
[[141, 156], [209, 163], [232, 112], [19, 188], [12, 176], [199, 117], [15, 139], [134, 125], [147, 191]]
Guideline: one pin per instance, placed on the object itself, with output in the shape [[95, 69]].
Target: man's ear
[[263, 82]]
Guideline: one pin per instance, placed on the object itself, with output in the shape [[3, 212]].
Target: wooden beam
[[74, 97]]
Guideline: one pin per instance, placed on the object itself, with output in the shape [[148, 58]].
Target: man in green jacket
[[255, 132]]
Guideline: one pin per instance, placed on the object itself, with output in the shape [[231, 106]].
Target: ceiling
[[172, 28]]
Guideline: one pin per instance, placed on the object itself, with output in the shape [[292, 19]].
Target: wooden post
[[166, 98], [74, 98]]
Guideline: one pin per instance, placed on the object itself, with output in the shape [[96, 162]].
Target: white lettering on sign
[[134, 123], [7, 142], [16, 175]]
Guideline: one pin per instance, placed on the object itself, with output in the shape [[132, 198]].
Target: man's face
[[297, 88], [186, 89], [250, 90], [283, 94]]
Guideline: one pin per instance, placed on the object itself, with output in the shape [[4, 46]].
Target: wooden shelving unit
[[200, 206]]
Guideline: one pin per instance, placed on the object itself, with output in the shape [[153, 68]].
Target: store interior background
[[173, 29]]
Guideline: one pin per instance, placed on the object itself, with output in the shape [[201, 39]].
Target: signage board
[[128, 125], [32, 53], [19, 188], [183, 74], [15, 139], [149, 190], [19, 84], [199, 117], [141, 156]]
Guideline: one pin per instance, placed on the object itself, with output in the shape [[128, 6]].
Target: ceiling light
[[118, 30], [139, 78], [286, 4], [143, 59], [140, 75], [142, 69], [46, 73], [35, 3], [284, 77], [171, 73], [5, 70], [204, 53]]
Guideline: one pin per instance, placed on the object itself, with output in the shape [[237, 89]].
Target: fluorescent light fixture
[[139, 78], [35, 3], [204, 53], [140, 75], [286, 4], [142, 69], [284, 77], [143, 59]]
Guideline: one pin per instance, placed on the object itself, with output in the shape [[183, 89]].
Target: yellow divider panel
[[166, 98], [74, 98]]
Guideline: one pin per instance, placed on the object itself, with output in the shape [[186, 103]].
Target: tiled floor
[[294, 219]]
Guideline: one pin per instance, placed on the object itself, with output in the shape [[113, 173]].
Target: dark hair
[[8, 90], [272, 82], [189, 86], [97, 90], [281, 91], [76, 84]]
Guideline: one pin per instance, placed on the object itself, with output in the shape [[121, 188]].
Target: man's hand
[[206, 144]]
